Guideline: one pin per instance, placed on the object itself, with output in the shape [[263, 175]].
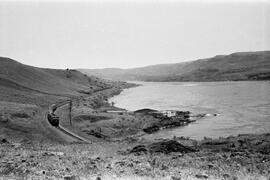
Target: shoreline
[[230, 113], [126, 154], [115, 108], [184, 118]]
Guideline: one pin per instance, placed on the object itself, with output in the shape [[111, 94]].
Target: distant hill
[[236, 66], [28, 84]]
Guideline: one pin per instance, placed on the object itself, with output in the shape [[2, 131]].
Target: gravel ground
[[227, 158]]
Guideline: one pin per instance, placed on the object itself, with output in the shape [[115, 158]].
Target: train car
[[53, 119]]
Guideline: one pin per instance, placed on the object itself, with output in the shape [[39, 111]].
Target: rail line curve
[[52, 109]]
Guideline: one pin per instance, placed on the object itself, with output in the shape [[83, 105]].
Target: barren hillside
[[26, 93], [236, 66]]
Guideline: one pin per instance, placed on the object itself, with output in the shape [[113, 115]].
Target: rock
[[98, 178], [163, 167], [53, 154], [109, 166], [151, 129], [47, 154], [169, 146], [201, 176], [72, 177], [141, 172], [210, 166], [226, 176], [184, 114], [177, 156], [4, 141], [176, 178], [121, 163], [138, 149], [68, 170], [59, 153], [130, 165]]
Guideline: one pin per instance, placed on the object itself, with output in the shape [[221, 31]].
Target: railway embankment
[[65, 116]]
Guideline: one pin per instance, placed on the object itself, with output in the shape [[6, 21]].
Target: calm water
[[244, 107]]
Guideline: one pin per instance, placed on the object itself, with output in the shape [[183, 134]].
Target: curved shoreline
[[241, 105]]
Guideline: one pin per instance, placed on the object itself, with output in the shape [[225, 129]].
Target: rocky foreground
[[122, 152], [241, 157]]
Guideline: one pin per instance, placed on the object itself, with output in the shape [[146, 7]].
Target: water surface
[[244, 107]]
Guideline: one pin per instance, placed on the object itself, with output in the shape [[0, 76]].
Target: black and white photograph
[[135, 89]]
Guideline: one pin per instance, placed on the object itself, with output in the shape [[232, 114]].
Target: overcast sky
[[125, 34]]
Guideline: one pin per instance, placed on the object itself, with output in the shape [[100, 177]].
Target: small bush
[[20, 115]]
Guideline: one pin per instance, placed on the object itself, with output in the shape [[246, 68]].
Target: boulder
[[71, 177], [169, 146], [175, 178], [151, 129], [138, 149], [4, 141], [201, 176]]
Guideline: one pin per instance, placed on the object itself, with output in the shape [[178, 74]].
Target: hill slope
[[236, 66], [28, 84], [26, 93], [52, 81]]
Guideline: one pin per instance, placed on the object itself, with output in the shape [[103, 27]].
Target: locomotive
[[53, 119]]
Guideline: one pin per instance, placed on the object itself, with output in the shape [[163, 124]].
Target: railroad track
[[52, 109], [72, 134]]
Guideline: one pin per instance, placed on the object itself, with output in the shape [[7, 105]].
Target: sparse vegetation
[[113, 160], [234, 67], [20, 115], [31, 148], [90, 118]]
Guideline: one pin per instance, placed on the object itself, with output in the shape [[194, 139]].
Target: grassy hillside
[[27, 84], [26, 93], [53, 81], [236, 66]]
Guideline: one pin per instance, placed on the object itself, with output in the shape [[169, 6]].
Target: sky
[[129, 33]]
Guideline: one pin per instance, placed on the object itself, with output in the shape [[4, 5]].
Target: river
[[243, 106]]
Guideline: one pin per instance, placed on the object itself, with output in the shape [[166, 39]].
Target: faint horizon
[[128, 34]]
